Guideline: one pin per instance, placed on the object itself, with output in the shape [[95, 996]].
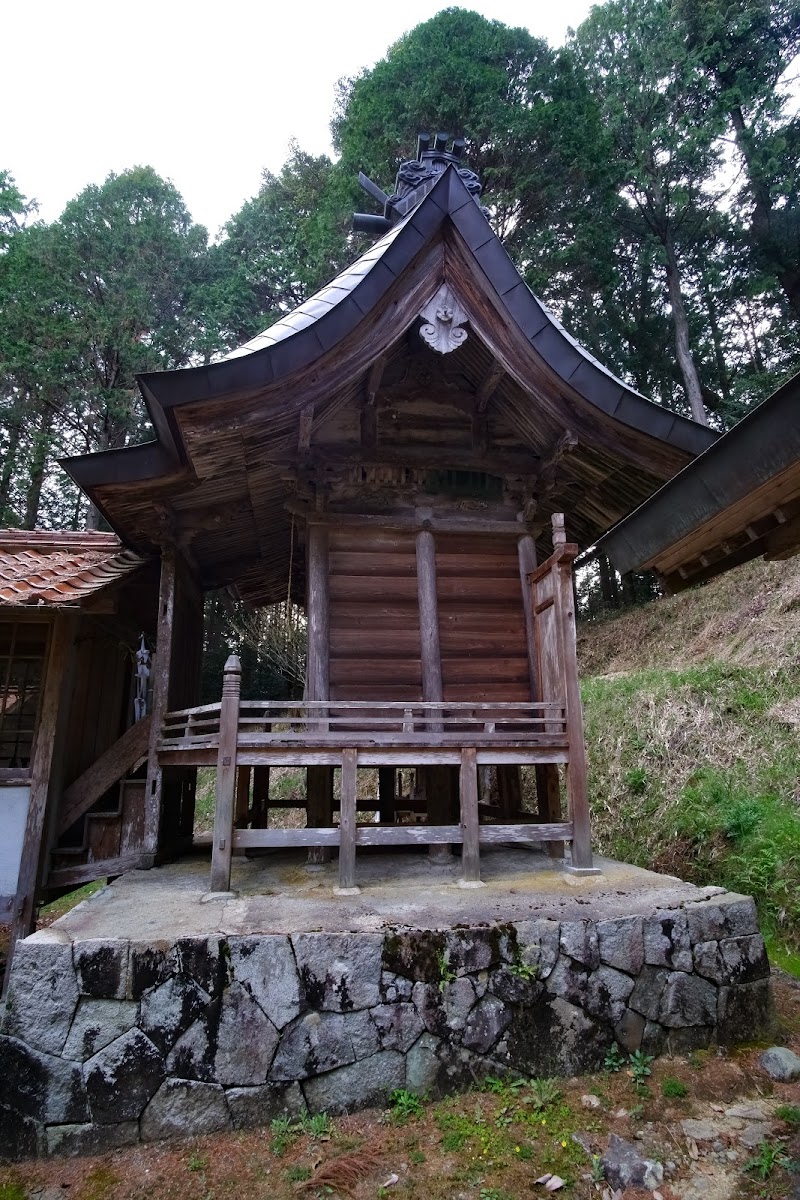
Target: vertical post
[[261, 796], [470, 850], [161, 674], [318, 609], [319, 808], [386, 794], [577, 788], [226, 776], [430, 650], [242, 797], [347, 822], [45, 772], [548, 791]]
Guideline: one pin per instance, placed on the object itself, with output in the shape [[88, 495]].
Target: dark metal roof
[[324, 320], [720, 497]]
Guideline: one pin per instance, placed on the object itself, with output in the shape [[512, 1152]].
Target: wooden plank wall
[[100, 696], [374, 624], [481, 619]]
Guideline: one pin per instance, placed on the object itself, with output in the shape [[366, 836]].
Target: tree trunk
[[787, 274], [9, 463], [689, 376], [41, 451]]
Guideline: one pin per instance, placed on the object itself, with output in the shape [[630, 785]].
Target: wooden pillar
[[226, 777], [470, 852], [509, 786], [242, 797], [347, 822], [437, 796], [45, 776], [386, 794], [162, 661], [318, 609], [548, 790], [576, 779], [260, 818]]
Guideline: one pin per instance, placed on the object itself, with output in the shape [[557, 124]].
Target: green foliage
[[614, 1060], [542, 1093], [405, 1105], [768, 1156], [446, 973], [296, 1174], [197, 1162], [673, 1088], [790, 1113], [640, 1067]]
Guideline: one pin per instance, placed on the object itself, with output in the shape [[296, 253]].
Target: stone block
[[647, 992], [666, 941], [339, 972], [415, 954], [314, 1043], [368, 1082], [688, 1038], [101, 966], [44, 1087], [192, 1056], [97, 1023], [538, 945], [20, 1136], [579, 941], [168, 1010], [621, 943], [513, 988], [266, 966], [485, 1025], [744, 1012], [42, 995], [687, 1000], [398, 1025], [423, 1065], [429, 1002], [149, 964], [556, 1038], [653, 1039], [202, 959], [68, 1141], [629, 1030], [363, 1033], [607, 993], [251, 1106], [729, 915], [472, 950], [744, 959], [458, 998], [568, 981], [395, 988], [184, 1108], [246, 1040], [708, 961], [121, 1078]]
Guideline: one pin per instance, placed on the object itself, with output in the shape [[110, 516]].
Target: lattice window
[[22, 652]]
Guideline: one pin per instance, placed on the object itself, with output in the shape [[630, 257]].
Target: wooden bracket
[[488, 386], [304, 429]]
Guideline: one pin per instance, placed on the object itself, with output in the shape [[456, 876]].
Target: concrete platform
[[280, 893]]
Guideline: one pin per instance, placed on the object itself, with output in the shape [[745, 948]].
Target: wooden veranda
[[547, 732]]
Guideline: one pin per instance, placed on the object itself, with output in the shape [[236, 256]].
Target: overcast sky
[[208, 95]]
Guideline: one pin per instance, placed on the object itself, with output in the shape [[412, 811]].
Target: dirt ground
[[491, 1143]]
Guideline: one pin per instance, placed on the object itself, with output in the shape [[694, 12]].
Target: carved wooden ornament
[[443, 317]]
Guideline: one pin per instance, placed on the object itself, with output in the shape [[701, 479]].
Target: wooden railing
[[546, 732]]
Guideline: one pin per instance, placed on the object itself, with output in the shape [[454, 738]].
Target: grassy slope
[[692, 709]]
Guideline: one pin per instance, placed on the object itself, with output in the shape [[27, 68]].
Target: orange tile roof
[[55, 569]]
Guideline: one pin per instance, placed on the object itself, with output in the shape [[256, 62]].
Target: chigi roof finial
[[414, 180]]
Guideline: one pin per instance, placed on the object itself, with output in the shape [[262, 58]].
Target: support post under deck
[[226, 777]]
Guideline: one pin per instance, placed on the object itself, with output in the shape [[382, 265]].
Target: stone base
[[106, 1042]]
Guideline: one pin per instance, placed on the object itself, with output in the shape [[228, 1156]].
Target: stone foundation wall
[[105, 1043]]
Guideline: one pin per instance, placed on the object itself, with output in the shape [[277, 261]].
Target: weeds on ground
[[614, 1060], [405, 1105], [768, 1156], [790, 1113], [673, 1088]]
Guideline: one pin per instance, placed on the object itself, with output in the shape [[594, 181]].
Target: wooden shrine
[[390, 455]]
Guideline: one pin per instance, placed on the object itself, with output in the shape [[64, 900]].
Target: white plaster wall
[[13, 815]]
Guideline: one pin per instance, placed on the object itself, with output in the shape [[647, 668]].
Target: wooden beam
[[104, 773], [374, 377], [45, 769], [226, 777], [784, 541], [319, 809], [305, 425], [88, 872], [405, 521]]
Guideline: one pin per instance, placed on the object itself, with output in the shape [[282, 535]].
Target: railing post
[[577, 785], [470, 829], [226, 776], [347, 823]]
